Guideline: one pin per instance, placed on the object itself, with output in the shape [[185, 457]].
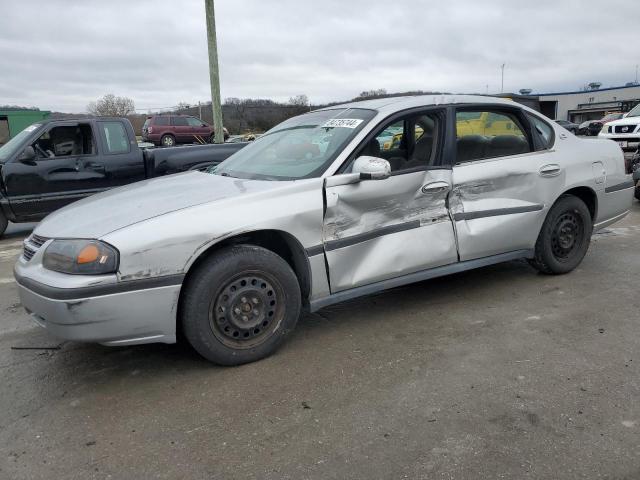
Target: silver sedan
[[321, 209]]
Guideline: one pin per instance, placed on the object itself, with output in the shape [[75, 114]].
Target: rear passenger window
[[179, 122], [115, 137], [161, 121], [544, 130], [486, 134]]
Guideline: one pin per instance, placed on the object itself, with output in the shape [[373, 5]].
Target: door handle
[[550, 170], [435, 187], [95, 167]]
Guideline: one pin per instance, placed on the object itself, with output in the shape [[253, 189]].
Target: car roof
[[77, 119], [396, 104]]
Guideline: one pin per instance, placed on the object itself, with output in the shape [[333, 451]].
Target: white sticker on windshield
[[31, 128], [343, 122]]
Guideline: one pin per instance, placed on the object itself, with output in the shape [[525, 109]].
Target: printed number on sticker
[[342, 122]]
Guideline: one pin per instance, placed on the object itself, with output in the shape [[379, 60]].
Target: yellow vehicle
[[394, 142], [485, 123]]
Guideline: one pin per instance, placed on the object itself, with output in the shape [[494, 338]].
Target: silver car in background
[[314, 213]]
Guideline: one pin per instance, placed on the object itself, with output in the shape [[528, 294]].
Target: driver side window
[[194, 122], [407, 143], [65, 141]]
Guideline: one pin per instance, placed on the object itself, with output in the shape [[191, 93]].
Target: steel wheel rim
[[247, 309], [567, 234]]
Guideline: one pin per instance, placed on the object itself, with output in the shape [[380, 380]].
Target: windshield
[[301, 147], [611, 117], [13, 145], [634, 112]]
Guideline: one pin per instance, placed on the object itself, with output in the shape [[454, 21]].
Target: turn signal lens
[[88, 254]]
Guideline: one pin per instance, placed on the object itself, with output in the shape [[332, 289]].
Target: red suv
[[169, 130]]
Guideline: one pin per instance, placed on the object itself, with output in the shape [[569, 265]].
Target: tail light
[[149, 129]]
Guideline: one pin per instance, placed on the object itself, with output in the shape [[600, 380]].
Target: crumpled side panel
[[375, 230]]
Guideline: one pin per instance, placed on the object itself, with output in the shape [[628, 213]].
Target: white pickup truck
[[626, 131]]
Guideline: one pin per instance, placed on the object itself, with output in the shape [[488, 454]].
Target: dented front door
[[380, 229]]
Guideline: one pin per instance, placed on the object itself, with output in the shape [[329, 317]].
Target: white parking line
[[4, 281]]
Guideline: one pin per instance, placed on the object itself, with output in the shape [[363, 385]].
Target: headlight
[[81, 257]]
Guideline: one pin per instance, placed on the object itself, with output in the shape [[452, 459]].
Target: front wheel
[[240, 305], [564, 238]]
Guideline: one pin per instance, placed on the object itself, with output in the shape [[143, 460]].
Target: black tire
[[636, 193], [3, 223], [240, 305], [168, 141], [564, 238]]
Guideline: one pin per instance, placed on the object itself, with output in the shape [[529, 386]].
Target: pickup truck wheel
[[240, 305], [3, 223], [564, 238], [168, 141]]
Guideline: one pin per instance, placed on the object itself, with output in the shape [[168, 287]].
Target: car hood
[[106, 212], [625, 121]]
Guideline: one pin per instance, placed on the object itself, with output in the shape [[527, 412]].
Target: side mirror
[[372, 168], [28, 156]]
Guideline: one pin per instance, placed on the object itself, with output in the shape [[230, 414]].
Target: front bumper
[[627, 141], [120, 313]]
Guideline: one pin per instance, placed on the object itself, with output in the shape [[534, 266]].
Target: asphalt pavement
[[495, 373]]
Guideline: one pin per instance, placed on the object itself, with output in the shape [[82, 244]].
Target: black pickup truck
[[55, 162]]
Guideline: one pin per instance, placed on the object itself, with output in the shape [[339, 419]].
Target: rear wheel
[[168, 141], [240, 305], [564, 238]]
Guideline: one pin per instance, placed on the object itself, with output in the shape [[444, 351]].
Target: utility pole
[[214, 75], [636, 74], [502, 83]]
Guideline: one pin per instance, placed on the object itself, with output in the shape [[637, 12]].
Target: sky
[[62, 54]]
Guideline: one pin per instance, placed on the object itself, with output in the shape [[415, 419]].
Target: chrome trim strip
[[363, 237], [496, 212], [315, 250], [620, 186]]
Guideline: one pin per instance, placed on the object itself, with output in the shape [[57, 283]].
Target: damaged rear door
[[504, 179], [380, 229]]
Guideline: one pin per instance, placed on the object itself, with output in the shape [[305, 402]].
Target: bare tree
[[182, 106], [112, 106], [381, 92], [299, 101]]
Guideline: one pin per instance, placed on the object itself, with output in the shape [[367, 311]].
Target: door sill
[[457, 267]]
